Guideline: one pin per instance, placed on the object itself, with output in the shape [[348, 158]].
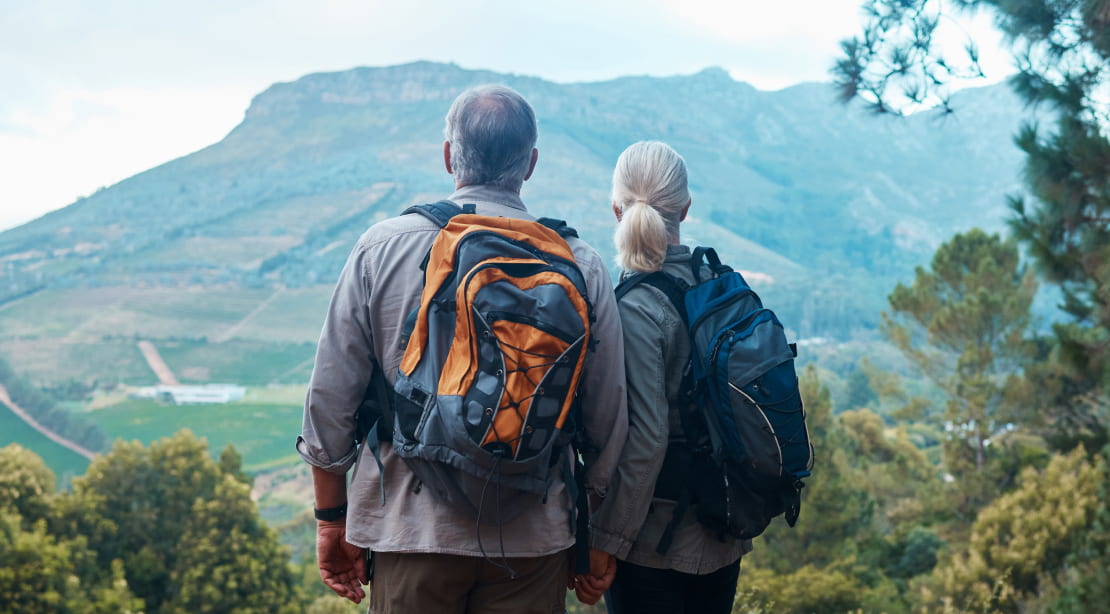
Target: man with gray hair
[[428, 555]]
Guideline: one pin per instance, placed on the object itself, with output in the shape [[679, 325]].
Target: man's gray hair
[[492, 130]]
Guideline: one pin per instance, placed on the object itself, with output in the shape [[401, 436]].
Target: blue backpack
[[747, 448]]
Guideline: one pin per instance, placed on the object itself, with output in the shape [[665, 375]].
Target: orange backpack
[[485, 393]]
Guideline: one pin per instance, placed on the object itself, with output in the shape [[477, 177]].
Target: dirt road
[[159, 366]]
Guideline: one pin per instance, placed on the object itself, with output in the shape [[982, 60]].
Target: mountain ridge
[[785, 182]]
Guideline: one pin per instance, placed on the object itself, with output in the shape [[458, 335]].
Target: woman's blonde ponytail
[[641, 238], [649, 189]]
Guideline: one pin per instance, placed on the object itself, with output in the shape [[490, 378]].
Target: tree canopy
[[158, 529], [1062, 51]]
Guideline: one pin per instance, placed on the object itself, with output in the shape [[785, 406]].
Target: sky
[[94, 92]]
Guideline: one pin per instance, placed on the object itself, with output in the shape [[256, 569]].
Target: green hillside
[[65, 463], [787, 183]]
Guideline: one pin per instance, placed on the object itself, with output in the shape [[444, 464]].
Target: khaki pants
[[416, 583]]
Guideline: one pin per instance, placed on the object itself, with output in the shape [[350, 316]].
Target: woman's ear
[[685, 210], [617, 212]]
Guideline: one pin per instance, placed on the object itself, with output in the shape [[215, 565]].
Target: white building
[[190, 395]]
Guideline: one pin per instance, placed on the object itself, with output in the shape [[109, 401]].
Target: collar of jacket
[[488, 194]]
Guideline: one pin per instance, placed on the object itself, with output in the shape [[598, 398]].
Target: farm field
[[220, 334], [54, 361], [263, 431], [240, 361], [150, 312], [118, 361], [162, 313]]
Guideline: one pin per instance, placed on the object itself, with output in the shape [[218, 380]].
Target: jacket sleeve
[[623, 513], [602, 391], [344, 363]]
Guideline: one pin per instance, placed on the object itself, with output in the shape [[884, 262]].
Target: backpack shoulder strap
[[673, 287], [559, 226], [440, 212]]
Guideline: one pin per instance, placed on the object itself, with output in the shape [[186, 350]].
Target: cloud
[[776, 44], [802, 22]]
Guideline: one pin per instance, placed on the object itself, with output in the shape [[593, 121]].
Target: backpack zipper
[[731, 332]]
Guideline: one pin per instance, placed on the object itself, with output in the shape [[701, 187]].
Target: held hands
[[589, 588], [342, 565]]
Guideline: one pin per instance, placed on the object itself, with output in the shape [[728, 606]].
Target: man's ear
[[685, 210], [532, 164], [447, 156]]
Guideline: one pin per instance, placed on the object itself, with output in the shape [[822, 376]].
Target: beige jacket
[[379, 286]]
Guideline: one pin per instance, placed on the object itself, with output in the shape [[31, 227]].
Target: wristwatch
[[331, 513]]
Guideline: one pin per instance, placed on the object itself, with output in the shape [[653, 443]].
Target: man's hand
[[603, 568], [342, 565]]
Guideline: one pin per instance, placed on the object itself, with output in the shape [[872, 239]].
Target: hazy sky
[[94, 92]]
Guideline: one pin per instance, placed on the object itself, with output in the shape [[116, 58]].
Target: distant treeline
[[43, 408]]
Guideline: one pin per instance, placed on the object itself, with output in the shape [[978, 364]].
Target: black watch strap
[[331, 513]]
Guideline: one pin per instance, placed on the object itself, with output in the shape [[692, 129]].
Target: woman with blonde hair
[[662, 566]]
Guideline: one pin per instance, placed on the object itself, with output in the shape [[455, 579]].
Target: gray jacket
[[378, 288], [657, 349]]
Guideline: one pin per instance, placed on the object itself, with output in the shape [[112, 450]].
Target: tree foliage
[[228, 560], [147, 496], [1062, 51], [26, 483], [1022, 542], [964, 323], [39, 570], [1036, 525], [181, 526]]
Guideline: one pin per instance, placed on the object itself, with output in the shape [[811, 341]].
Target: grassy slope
[[65, 463]]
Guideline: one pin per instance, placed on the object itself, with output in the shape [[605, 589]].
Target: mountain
[[237, 244]]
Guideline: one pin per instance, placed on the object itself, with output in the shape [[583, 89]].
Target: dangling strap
[[792, 500], [376, 405], [574, 477], [676, 517], [374, 418], [373, 441], [582, 520]]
